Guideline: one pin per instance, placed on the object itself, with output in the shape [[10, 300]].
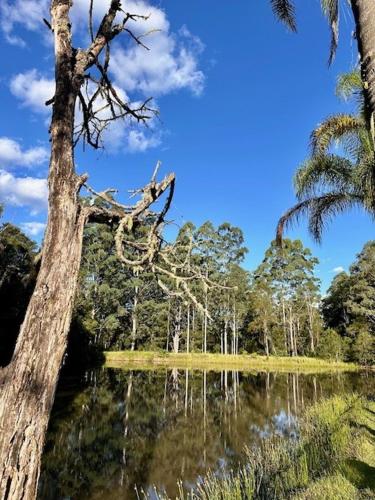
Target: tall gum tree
[[29, 382]]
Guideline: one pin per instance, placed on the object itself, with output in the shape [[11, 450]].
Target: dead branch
[[171, 262], [101, 103]]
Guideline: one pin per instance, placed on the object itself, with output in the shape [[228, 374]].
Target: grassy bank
[[244, 362], [333, 459]]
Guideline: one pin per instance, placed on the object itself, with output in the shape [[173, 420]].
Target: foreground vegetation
[[243, 362], [334, 458]]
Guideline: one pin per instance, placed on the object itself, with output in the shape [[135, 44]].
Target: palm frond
[[331, 11], [324, 208], [290, 216], [319, 210], [284, 10], [349, 85], [335, 128], [322, 171]]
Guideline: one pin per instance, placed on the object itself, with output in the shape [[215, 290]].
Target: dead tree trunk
[[29, 382]]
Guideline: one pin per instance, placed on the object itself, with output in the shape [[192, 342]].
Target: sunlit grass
[[215, 362]]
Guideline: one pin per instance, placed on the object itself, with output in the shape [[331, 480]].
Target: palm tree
[[364, 19], [327, 183]]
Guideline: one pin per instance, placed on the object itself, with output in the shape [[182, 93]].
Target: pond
[[115, 430]]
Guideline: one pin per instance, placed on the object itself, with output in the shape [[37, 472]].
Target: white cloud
[[27, 13], [33, 89], [170, 64], [11, 153], [23, 191], [33, 228], [139, 141], [338, 269]]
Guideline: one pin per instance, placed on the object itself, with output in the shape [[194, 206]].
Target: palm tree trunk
[[364, 16]]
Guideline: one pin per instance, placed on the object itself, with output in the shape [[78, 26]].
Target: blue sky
[[238, 96]]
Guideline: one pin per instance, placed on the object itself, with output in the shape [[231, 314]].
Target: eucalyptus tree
[[263, 315], [363, 14], [205, 239], [219, 251], [361, 297], [103, 293], [286, 277], [327, 183], [239, 281], [349, 306], [334, 305]]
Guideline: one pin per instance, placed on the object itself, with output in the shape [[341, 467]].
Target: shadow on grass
[[360, 474]]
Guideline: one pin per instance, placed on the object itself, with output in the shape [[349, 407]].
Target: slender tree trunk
[[29, 382], [168, 325], [135, 315], [225, 336], [188, 330], [284, 327], [311, 327], [205, 323], [364, 16], [177, 331], [265, 336], [295, 335], [291, 333], [235, 342], [193, 323]]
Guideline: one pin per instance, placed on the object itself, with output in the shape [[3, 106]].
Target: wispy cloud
[[23, 191], [171, 64], [11, 153], [33, 228], [33, 90]]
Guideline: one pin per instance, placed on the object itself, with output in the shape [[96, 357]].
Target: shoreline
[[148, 360]]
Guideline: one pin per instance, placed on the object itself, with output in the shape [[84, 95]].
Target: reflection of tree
[[152, 428]]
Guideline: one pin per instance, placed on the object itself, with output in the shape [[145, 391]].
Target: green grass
[[144, 360]]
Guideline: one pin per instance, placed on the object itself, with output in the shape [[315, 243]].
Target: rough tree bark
[[29, 382], [364, 16]]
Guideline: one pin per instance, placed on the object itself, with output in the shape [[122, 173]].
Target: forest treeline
[[276, 309]]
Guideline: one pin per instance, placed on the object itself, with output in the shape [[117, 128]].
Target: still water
[[117, 429]]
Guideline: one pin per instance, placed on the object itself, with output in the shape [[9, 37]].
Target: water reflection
[[117, 429]]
